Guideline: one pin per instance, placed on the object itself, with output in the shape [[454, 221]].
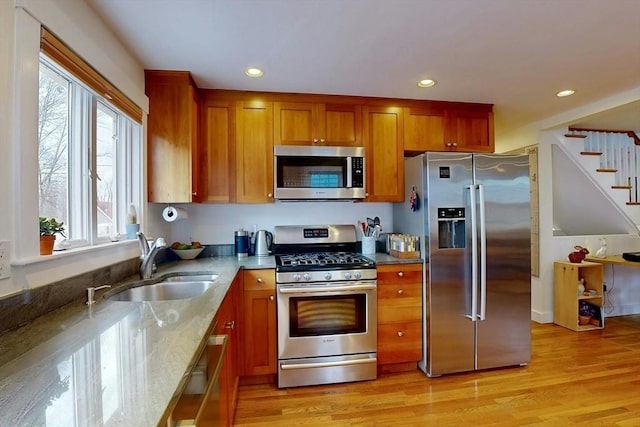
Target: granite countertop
[[114, 363]]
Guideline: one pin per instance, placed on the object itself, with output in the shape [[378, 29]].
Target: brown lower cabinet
[[228, 323], [399, 317], [259, 328], [210, 396], [244, 332]]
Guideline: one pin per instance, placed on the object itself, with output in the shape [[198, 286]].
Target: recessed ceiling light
[[426, 83], [567, 92], [254, 72]]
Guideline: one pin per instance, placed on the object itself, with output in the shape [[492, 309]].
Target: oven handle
[[285, 367], [314, 289]]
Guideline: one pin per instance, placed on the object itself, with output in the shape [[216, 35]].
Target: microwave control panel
[[357, 172]]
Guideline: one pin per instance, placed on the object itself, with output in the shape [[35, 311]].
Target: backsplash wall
[[215, 224]]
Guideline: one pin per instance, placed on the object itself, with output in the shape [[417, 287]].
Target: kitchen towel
[[171, 214]]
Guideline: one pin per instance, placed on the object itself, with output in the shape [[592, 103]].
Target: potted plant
[[49, 227]]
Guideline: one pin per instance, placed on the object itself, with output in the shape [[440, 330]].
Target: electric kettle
[[263, 240]]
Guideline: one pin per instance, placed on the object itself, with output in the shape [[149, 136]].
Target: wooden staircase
[[619, 154]]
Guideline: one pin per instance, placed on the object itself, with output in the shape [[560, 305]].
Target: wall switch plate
[[5, 256]]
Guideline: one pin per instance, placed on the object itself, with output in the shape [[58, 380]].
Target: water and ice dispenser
[[451, 228]]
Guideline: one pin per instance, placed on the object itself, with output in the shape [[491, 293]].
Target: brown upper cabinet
[[254, 152], [469, 130], [217, 151], [302, 123], [445, 129], [228, 156], [172, 137], [383, 134], [424, 129]]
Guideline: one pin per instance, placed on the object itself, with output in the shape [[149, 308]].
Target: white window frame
[[82, 182]]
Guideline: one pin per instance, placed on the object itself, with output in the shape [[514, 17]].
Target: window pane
[[53, 139], [106, 140]]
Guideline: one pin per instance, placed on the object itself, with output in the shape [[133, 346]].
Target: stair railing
[[619, 154]]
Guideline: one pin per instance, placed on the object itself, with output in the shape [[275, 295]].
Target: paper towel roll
[[171, 214]]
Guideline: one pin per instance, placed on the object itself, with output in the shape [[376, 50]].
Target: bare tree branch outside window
[[53, 138]]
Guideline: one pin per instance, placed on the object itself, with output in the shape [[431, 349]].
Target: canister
[[242, 243]]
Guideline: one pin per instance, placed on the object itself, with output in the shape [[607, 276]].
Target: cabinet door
[[171, 135], [259, 326], [399, 302], [254, 152], [196, 153], [399, 313], [228, 323], [470, 131], [342, 125], [217, 152], [399, 342], [299, 123], [423, 129], [224, 318], [383, 135], [296, 123]]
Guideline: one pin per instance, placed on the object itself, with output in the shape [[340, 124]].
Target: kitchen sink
[[170, 288], [192, 278]]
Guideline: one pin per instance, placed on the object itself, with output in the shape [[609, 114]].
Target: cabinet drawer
[[259, 280], [200, 402], [399, 303], [399, 342], [405, 273]]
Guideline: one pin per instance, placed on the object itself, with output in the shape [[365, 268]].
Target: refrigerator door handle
[[483, 252], [474, 254]]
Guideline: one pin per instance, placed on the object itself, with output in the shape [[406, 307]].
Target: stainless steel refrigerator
[[473, 216]]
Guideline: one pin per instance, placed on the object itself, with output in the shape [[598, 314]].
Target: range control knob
[[296, 277], [357, 275], [327, 276], [347, 275], [306, 276]]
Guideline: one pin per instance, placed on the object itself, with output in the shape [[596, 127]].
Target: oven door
[[326, 319]]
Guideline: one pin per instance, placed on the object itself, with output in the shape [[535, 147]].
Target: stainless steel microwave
[[318, 173]]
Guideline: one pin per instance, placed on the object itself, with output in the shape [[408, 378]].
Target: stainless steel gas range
[[326, 304]]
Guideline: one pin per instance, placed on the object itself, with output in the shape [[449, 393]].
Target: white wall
[[7, 39], [625, 298], [215, 224], [76, 24]]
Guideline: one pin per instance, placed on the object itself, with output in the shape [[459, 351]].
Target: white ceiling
[[515, 54]]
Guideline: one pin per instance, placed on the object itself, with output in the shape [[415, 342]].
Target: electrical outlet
[[5, 256]]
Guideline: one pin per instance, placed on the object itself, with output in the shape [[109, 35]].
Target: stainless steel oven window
[[327, 315]]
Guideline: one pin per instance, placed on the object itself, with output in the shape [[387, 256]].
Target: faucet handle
[[160, 243]]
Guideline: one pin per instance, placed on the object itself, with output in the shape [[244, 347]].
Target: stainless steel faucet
[[148, 255]]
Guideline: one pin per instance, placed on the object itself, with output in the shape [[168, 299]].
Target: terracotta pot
[[46, 244], [584, 320]]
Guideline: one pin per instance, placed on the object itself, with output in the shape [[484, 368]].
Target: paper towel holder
[[171, 214]]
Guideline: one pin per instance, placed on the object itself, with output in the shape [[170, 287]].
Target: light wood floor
[[574, 378]]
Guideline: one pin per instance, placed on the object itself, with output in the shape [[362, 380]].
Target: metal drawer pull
[[400, 333], [284, 366], [230, 325], [400, 274], [271, 298], [259, 280], [400, 292]]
